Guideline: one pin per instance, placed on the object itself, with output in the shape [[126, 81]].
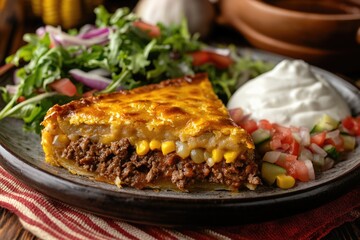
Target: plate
[[21, 154]]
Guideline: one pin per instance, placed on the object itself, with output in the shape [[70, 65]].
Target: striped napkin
[[49, 219]]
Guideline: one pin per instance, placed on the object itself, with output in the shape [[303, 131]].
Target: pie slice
[[173, 135]]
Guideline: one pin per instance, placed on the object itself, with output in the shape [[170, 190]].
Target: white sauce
[[290, 95]]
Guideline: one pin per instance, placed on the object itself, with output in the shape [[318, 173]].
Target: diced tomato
[[338, 144], [89, 93], [64, 86], [283, 133], [282, 139], [220, 61], [200, 58], [301, 172], [294, 167], [352, 125], [20, 99], [152, 30], [294, 148], [249, 125], [275, 143], [318, 138], [265, 124]]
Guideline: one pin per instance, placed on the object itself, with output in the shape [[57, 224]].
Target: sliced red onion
[[40, 31], [95, 33], [316, 149], [86, 28], [91, 80], [101, 72], [12, 89], [64, 39], [271, 156], [16, 79]]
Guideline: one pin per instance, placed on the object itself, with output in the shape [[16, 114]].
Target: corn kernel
[[230, 156], [168, 147], [155, 144], [217, 155], [142, 147], [284, 181]]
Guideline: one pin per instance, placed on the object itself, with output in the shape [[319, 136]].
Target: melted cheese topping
[[185, 110]]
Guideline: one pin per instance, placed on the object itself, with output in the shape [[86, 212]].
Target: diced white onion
[[316, 149], [297, 137], [182, 149], [197, 155], [305, 136], [318, 161], [334, 136], [328, 163], [271, 156], [306, 154]]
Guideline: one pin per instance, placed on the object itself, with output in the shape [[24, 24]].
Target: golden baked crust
[[180, 116]]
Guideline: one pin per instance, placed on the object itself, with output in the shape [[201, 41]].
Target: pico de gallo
[[291, 154]]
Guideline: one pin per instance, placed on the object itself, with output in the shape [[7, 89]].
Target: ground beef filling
[[119, 159]]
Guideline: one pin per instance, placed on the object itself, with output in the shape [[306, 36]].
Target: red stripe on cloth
[[49, 209], [87, 221], [55, 212], [75, 221], [111, 223], [234, 236], [157, 232], [29, 220], [196, 234], [41, 215]]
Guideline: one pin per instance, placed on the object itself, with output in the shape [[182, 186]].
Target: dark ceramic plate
[[21, 155]]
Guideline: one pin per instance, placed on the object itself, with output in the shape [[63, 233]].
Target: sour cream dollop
[[291, 95]]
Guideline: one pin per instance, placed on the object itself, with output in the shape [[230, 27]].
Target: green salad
[[118, 52]]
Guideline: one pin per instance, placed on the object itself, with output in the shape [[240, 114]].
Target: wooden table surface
[[11, 228]]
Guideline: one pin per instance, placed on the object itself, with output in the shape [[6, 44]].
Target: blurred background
[[329, 37], [22, 16]]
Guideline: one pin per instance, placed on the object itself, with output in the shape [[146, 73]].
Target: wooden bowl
[[323, 32]]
